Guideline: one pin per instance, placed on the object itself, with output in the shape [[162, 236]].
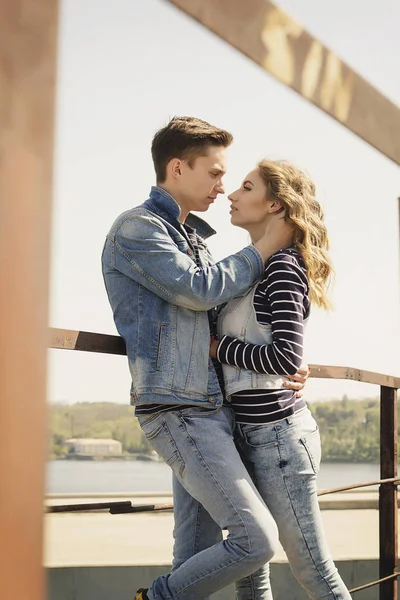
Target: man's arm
[[145, 252]]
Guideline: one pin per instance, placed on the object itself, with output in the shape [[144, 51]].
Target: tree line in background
[[349, 428]]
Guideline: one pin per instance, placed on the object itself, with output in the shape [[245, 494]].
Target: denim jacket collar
[[162, 203]]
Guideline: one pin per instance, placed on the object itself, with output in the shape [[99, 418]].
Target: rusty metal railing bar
[[115, 508], [372, 583], [141, 508], [60, 508], [388, 498], [127, 507], [85, 341], [345, 488]]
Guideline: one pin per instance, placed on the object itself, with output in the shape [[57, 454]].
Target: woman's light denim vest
[[238, 319]]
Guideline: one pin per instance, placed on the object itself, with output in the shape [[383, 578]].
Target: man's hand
[[298, 381], [278, 234]]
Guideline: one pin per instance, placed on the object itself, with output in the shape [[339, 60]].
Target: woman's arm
[[279, 301]]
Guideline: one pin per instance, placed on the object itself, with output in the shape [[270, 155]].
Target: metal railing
[[388, 500]]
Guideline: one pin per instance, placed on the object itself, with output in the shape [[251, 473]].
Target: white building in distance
[[93, 447]]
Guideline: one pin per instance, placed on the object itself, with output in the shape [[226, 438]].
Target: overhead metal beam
[[273, 40]]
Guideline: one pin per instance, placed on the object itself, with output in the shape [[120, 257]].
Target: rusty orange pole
[[398, 200], [27, 84]]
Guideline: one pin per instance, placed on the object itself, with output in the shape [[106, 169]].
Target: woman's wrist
[[214, 343]]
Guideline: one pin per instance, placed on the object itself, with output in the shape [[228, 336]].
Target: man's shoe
[[141, 594]]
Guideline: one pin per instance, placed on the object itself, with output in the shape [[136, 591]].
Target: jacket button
[[211, 399]]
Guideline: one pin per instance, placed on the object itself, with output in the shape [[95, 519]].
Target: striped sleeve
[[280, 299]]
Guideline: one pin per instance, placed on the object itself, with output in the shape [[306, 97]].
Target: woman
[[261, 342]]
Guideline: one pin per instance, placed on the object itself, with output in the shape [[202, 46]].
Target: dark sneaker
[[141, 594]]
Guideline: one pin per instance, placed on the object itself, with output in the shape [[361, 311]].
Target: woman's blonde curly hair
[[296, 192]]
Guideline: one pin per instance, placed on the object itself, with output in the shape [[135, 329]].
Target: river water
[[75, 477]]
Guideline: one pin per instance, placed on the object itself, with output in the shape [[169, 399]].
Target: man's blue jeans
[[283, 459], [198, 445]]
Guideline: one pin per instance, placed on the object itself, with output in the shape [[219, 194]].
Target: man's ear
[[275, 207], [175, 167]]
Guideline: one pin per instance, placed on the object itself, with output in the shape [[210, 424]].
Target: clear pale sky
[[125, 68]]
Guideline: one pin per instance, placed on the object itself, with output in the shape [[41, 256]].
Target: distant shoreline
[[109, 458]]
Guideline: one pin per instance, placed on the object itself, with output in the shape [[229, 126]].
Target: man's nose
[[220, 188]]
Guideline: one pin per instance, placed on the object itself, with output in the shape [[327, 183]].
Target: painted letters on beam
[[270, 37]]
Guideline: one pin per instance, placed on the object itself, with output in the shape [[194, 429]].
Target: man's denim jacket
[[160, 298]]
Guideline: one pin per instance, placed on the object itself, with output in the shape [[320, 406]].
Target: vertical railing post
[[27, 90], [388, 494], [398, 237]]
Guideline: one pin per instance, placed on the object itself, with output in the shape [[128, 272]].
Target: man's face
[[199, 184]]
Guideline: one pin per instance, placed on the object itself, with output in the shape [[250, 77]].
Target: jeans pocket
[[259, 436], [159, 435], [198, 412], [312, 444]]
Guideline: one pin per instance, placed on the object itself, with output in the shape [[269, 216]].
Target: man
[[161, 281]]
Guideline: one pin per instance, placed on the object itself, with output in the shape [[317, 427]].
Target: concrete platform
[[120, 583], [98, 556]]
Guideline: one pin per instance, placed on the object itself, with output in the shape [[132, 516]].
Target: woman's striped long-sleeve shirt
[[282, 301]]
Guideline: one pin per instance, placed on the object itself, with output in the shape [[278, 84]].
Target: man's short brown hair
[[186, 138]]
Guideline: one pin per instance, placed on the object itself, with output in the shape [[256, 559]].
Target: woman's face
[[249, 204]]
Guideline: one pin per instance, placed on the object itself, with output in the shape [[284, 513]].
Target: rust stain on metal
[[63, 338], [85, 341], [283, 48]]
